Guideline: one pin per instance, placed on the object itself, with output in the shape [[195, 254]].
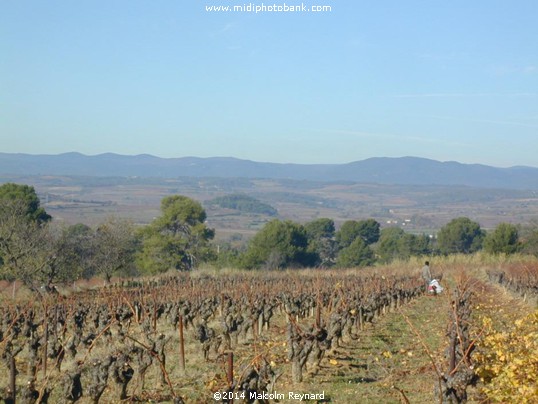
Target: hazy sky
[[447, 80]]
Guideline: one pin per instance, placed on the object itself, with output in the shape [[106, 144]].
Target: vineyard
[[317, 336]]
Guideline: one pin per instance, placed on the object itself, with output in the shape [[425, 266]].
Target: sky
[[447, 80]]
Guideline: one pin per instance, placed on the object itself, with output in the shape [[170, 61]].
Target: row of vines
[[507, 362], [518, 278], [181, 339]]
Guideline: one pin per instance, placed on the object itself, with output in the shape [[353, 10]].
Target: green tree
[[388, 248], [503, 240], [357, 254], [321, 241], [368, 230], [226, 256], [243, 203], [29, 199], [414, 245], [279, 244], [178, 239], [394, 243], [320, 228], [460, 235]]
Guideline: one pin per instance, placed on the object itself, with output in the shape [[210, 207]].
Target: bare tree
[[114, 247], [24, 245]]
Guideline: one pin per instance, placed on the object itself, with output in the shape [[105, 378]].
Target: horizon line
[[258, 161]]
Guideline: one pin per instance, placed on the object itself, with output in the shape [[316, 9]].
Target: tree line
[[39, 251], [243, 203]]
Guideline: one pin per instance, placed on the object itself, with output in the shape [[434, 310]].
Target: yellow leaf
[[387, 354]]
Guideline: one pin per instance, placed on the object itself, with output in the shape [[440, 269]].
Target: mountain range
[[380, 170]]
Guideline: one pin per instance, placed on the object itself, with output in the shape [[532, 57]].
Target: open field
[[366, 336], [417, 209]]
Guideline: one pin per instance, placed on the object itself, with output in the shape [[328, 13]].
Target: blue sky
[[447, 80]]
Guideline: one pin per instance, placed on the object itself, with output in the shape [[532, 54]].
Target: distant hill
[[379, 170]]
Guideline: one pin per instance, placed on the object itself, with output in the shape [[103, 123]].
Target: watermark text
[[257, 8]]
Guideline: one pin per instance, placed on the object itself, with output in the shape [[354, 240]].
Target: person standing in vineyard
[[426, 274]]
